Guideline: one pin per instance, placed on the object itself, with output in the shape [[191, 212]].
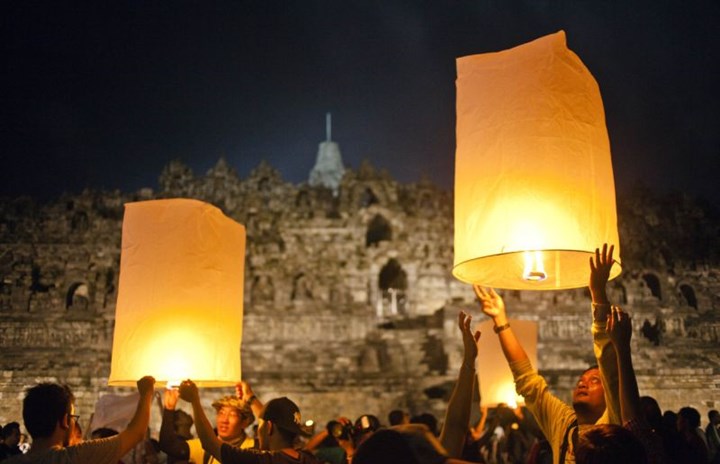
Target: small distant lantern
[[180, 297], [534, 189], [494, 376]]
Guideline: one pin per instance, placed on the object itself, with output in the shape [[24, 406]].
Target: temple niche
[[350, 305], [378, 230], [78, 297], [393, 286]]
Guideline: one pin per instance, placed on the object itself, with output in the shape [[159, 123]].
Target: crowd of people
[[607, 422]]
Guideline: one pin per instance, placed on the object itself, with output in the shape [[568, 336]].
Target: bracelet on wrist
[[600, 312], [499, 328], [251, 399]]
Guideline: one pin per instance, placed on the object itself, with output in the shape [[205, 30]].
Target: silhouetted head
[[609, 443], [398, 417], [714, 417], [427, 419], [45, 406], [11, 434], [650, 409], [280, 424], [688, 419]]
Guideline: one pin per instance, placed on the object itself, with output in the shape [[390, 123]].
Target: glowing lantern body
[[180, 297], [494, 375], [534, 189]]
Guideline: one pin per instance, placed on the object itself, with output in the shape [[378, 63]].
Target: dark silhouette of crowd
[[607, 421]]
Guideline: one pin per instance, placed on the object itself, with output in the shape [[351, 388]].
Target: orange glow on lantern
[[534, 188], [494, 376], [180, 297]]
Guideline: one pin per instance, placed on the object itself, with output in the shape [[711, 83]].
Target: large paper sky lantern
[[180, 298], [534, 189], [494, 375]]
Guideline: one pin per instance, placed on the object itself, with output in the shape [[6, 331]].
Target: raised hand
[[492, 303], [243, 390], [470, 339], [600, 272], [619, 327], [146, 385], [170, 398], [189, 391]]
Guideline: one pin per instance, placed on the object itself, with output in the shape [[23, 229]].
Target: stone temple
[[350, 306]]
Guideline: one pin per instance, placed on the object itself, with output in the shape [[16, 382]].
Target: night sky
[[105, 94]]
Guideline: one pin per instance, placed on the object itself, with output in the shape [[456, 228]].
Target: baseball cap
[[285, 414]]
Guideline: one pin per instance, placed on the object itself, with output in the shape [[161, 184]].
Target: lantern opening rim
[[168, 383], [502, 280]]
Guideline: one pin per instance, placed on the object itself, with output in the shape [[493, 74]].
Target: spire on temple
[[329, 169], [328, 126]]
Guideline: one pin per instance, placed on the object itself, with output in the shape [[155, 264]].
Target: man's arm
[[619, 329], [170, 442], [494, 307], [479, 428], [346, 444], [457, 416], [244, 392], [210, 442], [315, 441], [136, 429], [604, 351], [552, 415]]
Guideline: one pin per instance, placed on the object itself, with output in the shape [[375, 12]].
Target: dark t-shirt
[[102, 451], [232, 455], [7, 451]]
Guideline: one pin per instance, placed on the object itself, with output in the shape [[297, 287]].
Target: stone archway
[[392, 282], [368, 198], [263, 290], [77, 297], [688, 294], [653, 284], [302, 290], [379, 229]]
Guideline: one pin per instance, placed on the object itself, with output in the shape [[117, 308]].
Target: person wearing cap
[[234, 415], [280, 426]]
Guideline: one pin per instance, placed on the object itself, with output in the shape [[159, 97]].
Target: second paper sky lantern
[[179, 312], [495, 378], [534, 188]]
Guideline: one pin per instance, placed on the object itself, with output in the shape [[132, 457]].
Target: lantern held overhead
[[534, 189], [180, 297]]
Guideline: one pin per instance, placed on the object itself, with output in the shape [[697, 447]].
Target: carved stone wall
[[350, 306]]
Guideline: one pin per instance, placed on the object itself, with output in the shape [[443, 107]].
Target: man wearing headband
[[234, 415], [279, 427]]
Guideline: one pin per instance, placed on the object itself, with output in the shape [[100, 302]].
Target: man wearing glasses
[[49, 416]]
